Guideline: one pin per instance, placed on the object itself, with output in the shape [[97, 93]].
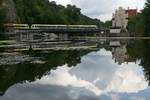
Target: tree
[[2, 18], [136, 25], [46, 12], [108, 24], [141, 23], [146, 17]]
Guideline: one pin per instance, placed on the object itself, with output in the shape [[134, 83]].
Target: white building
[[120, 18]]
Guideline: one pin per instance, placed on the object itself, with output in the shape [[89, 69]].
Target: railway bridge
[[40, 32]]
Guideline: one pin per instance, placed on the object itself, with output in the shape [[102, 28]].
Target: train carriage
[[17, 26], [47, 26]]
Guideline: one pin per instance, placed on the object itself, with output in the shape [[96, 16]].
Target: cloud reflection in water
[[99, 74], [96, 77]]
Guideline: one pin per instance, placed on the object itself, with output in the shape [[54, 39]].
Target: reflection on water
[[114, 72]]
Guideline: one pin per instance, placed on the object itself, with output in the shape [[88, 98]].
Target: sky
[[102, 9]]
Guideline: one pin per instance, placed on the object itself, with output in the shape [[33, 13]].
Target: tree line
[[141, 22], [46, 12]]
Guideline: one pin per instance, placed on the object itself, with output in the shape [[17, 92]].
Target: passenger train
[[18, 26], [47, 26]]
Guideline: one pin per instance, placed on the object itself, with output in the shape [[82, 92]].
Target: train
[[47, 26], [17, 26]]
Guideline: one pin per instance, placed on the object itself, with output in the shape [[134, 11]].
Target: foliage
[[136, 24], [45, 12], [140, 50], [146, 17], [141, 23], [108, 24], [2, 21]]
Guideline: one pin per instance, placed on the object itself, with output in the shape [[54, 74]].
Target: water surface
[[110, 73]]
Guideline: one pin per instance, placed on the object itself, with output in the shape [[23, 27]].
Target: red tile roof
[[131, 12]]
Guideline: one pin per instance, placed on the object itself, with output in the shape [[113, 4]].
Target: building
[[121, 16], [131, 12]]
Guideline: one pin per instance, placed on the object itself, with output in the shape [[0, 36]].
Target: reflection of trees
[[141, 50], [19, 73]]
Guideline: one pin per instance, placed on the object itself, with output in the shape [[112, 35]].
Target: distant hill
[[44, 12]]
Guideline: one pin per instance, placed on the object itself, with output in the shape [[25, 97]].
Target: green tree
[[136, 25], [146, 17], [45, 12], [108, 24], [2, 21], [139, 49]]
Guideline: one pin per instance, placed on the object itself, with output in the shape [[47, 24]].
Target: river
[[111, 72]]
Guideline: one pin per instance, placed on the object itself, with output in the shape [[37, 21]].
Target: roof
[[131, 12]]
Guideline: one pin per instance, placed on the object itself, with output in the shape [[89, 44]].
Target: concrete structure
[[115, 30], [40, 32]]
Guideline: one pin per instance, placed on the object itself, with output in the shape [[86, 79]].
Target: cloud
[[98, 77], [61, 77], [47, 92], [62, 2], [93, 75], [120, 77], [128, 78], [102, 9]]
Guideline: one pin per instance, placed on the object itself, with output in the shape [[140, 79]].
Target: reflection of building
[[120, 17], [120, 55]]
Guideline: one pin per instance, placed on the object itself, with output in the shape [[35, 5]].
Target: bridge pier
[[63, 36], [28, 36], [24, 36]]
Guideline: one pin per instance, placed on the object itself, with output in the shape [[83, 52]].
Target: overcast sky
[[102, 9]]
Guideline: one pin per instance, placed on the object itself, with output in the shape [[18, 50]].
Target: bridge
[[36, 28], [57, 30], [41, 32]]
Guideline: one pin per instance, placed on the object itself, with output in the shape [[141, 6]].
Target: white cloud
[[62, 77], [102, 9], [127, 78], [62, 2]]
